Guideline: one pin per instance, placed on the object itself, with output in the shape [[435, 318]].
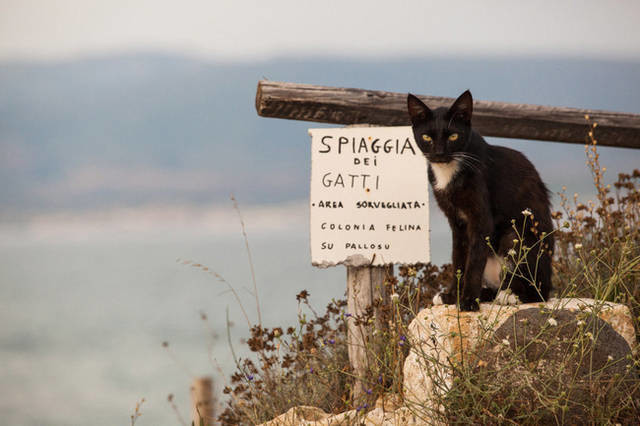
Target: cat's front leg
[[460, 251], [474, 268], [458, 259]]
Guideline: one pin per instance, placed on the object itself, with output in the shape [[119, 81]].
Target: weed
[[136, 412]]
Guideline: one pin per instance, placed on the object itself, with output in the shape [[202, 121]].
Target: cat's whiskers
[[467, 155], [471, 166], [467, 160]]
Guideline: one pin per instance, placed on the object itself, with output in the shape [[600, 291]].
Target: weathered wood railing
[[357, 106]]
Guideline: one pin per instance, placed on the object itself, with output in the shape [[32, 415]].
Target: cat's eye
[[426, 138], [453, 137]]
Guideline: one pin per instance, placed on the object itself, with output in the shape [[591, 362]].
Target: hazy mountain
[[160, 129]]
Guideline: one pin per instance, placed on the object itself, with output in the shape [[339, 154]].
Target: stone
[[561, 351], [441, 338], [300, 415], [388, 411]]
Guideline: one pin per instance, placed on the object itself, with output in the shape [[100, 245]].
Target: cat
[[485, 191]]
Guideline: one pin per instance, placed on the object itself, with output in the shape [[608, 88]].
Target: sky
[[250, 30]]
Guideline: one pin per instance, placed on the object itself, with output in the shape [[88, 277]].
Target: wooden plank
[[202, 401], [500, 119]]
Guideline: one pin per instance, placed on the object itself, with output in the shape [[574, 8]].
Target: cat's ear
[[462, 107], [418, 111]]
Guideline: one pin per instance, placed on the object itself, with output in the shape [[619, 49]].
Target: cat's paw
[[506, 297], [437, 299], [469, 305], [444, 299]]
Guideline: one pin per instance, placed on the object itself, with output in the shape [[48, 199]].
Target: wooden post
[[202, 401], [523, 121], [365, 285]]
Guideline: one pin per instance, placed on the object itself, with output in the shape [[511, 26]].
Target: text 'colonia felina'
[[368, 227]]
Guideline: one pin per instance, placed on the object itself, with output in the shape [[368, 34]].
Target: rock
[[442, 338], [389, 402], [387, 412], [300, 415], [570, 356]]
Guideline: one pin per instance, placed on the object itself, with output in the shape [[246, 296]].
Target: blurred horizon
[[111, 145]]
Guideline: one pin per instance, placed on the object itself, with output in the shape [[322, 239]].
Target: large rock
[[442, 337]]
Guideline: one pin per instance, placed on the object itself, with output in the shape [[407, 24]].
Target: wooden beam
[[500, 119], [202, 402], [365, 285]]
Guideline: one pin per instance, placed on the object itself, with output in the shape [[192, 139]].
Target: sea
[[87, 301]]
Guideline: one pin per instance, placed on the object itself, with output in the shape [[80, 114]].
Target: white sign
[[369, 197]]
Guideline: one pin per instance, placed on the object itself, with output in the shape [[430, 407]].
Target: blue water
[[82, 324]]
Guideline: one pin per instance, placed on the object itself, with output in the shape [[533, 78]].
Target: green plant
[[598, 246], [137, 412], [305, 364]]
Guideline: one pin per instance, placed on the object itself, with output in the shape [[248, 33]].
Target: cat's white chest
[[444, 173]]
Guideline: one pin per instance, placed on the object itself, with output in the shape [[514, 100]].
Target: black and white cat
[[481, 188]]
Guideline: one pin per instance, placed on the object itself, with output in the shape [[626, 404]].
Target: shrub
[[598, 245]]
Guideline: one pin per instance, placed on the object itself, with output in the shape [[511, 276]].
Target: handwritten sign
[[369, 197]]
